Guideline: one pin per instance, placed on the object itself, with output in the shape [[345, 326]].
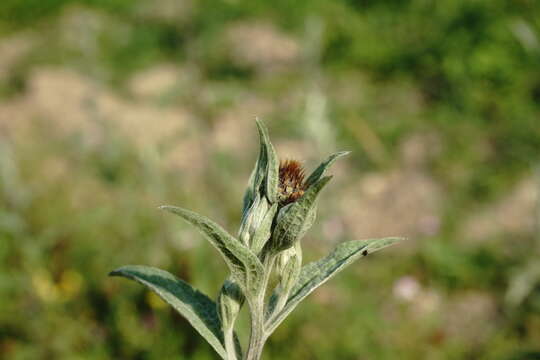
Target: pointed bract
[[321, 169], [272, 163]]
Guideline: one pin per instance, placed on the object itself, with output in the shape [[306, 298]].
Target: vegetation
[[280, 206], [109, 109]]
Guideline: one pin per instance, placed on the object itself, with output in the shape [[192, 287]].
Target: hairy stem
[[230, 346], [257, 339], [258, 336]]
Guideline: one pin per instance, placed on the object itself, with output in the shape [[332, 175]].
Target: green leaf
[[310, 220], [296, 220], [254, 183], [317, 273], [196, 307], [321, 169], [272, 163], [245, 266], [266, 170]]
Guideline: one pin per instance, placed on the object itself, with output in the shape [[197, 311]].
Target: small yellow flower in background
[[71, 284], [44, 287]]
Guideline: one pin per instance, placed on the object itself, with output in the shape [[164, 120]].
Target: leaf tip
[[116, 272], [263, 131], [168, 208], [259, 123]]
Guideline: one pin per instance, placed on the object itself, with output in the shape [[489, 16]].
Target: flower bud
[[288, 266], [229, 303], [253, 220]]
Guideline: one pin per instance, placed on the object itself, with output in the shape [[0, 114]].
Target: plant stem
[[256, 306], [230, 346], [256, 341]]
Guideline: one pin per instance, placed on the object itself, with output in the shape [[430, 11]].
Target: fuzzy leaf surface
[[266, 170], [196, 307], [272, 163], [317, 273], [254, 183], [245, 266], [294, 222], [325, 165]]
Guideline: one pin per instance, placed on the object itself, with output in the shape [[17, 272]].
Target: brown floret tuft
[[291, 181]]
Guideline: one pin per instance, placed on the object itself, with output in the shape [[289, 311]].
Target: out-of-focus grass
[[111, 108]]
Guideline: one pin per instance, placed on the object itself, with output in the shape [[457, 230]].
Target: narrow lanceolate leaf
[[196, 307], [245, 267], [321, 169], [294, 223], [255, 181], [317, 273], [272, 163]]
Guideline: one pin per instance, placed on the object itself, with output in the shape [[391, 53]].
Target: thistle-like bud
[[295, 218], [229, 303], [288, 266], [253, 219], [256, 228]]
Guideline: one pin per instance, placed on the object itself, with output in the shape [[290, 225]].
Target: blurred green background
[[109, 108]]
